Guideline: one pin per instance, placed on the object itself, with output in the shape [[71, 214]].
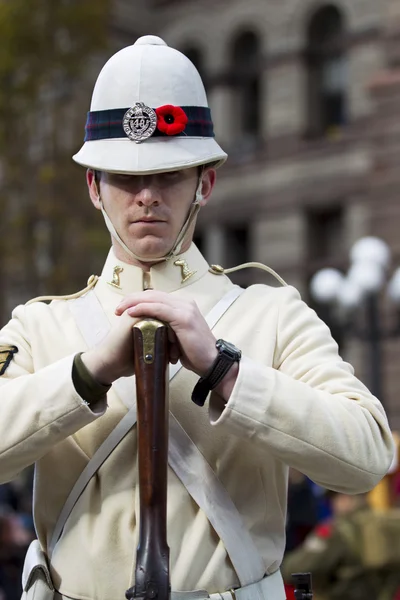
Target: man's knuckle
[[187, 318]]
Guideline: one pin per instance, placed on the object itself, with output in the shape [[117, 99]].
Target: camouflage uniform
[[332, 554]]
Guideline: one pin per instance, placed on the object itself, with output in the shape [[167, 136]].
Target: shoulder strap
[[94, 325], [184, 456], [92, 282], [218, 270], [209, 493]]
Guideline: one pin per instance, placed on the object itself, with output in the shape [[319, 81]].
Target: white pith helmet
[[123, 130]]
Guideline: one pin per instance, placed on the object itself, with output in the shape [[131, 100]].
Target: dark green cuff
[[85, 384]]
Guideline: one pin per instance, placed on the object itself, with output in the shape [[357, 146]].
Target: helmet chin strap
[[194, 209]]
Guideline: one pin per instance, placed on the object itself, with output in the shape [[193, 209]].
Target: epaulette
[[93, 279], [218, 270]]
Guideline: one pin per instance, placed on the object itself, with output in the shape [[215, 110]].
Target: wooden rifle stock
[[151, 369]]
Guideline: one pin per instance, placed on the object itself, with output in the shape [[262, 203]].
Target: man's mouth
[[149, 220]]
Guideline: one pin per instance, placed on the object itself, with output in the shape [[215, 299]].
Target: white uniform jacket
[[295, 403]]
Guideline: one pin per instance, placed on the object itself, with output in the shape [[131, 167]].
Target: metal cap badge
[[140, 122]]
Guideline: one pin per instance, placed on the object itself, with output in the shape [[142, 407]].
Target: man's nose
[[147, 195]]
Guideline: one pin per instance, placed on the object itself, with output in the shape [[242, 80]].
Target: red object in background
[[397, 595], [396, 484], [289, 591], [324, 530]]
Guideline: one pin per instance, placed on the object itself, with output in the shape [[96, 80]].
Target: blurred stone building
[[306, 101]]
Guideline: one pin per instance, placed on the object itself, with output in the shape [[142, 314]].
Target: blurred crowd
[[16, 533], [349, 543], [323, 536]]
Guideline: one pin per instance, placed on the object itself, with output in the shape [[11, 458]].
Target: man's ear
[[94, 188], [208, 182]]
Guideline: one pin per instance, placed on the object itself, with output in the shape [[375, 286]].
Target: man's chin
[[151, 250]]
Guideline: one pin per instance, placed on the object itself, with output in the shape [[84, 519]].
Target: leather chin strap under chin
[[194, 209]]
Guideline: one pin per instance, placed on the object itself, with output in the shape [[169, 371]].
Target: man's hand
[[191, 339], [112, 358]]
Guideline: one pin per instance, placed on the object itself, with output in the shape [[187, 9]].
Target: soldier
[[335, 553], [280, 394]]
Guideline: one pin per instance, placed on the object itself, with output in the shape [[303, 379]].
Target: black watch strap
[[227, 356]]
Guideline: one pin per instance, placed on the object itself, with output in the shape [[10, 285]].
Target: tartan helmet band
[[141, 122]]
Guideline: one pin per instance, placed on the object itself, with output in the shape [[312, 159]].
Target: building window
[[325, 230], [237, 251], [237, 244], [325, 242], [246, 81], [327, 69]]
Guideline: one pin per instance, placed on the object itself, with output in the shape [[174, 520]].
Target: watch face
[[228, 349]]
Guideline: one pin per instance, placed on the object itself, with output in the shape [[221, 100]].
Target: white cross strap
[[184, 457]]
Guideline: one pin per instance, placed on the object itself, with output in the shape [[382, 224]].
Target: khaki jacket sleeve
[[37, 409], [309, 409], [318, 555]]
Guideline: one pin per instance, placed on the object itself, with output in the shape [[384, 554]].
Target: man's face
[[148, 211]]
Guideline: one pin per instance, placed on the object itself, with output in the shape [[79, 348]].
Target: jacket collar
[[168, 276]]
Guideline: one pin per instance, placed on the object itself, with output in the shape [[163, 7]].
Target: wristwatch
[[228, 354]]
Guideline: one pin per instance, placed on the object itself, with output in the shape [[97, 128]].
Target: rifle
[[303, 584], [150, 339]]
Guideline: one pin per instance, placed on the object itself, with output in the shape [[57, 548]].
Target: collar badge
[[186, 272], [116, 280], [139, 122]]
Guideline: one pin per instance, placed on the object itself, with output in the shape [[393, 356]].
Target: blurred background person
[[353, 555], [302, 509], [14, 542]]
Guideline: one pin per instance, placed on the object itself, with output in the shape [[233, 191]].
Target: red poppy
[[171, 119], [324, 530]]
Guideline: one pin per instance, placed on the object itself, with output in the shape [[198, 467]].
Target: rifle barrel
[[150, 339]]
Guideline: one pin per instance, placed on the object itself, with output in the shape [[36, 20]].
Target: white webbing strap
[[101, 454], [269, 588], [99, 457], [184, 457], [94, 326], [206, 489], [35, 562]]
